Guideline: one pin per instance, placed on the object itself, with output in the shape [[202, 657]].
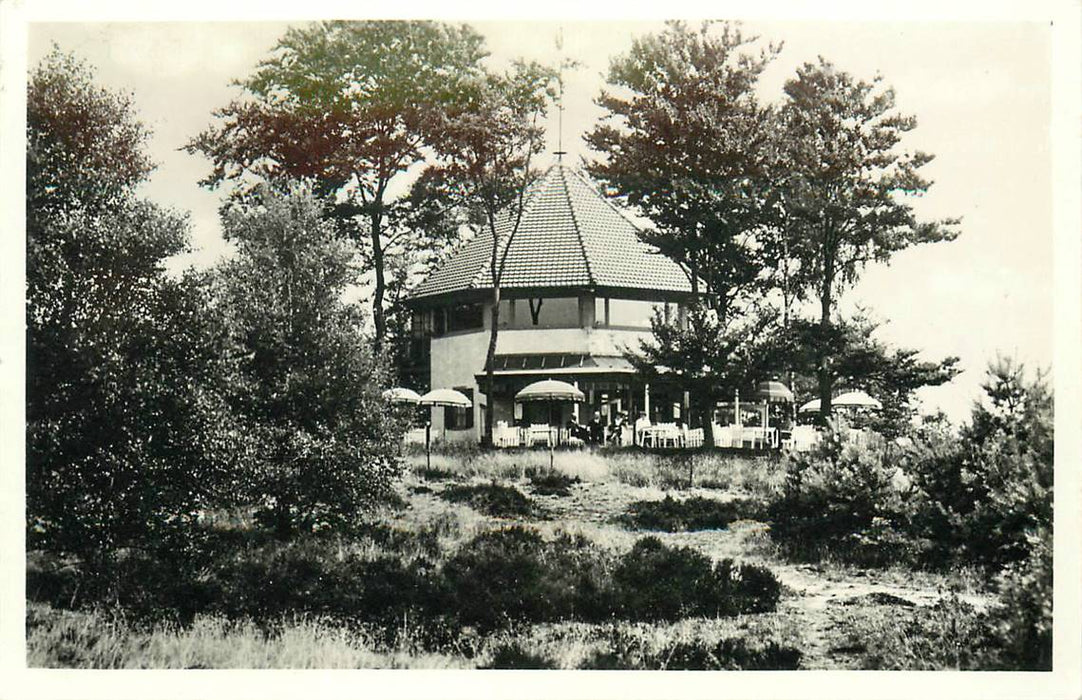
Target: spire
[[560, 152]]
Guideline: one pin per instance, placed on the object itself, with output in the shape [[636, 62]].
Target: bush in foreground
[[697, 513]]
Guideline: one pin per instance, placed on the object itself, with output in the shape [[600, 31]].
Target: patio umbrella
[[401, 395], [440, 397], [849, 399], [774, 392], [858, 399], [552, 391]]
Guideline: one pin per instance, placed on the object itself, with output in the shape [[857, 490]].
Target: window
[[459, 418], [465, 317]]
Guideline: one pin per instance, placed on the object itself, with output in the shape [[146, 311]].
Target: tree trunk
[[490, 364], [822, 352], [378, 317]]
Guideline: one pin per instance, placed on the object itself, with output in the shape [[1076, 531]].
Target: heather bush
[[696, 513], [549, 482], [657, 582], [515, 575], [493, 499]]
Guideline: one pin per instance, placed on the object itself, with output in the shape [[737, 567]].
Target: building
[[578, 287]]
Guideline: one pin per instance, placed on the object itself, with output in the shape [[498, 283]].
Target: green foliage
[[683, 141], [847, 190], [629, 651], [349, 106], [987, 496], [859, 360], [656, 582], [319, 441], [514, 575], [127, 435], [841, 501], [493, 499], [671, 515], [549, 482]]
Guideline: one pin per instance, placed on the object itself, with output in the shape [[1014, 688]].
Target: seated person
[[576, 431], [597, 429], [616, 430]]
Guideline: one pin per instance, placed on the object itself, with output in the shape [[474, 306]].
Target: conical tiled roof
[[570, 236]]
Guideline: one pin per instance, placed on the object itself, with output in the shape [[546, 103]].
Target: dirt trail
[[817, 598]]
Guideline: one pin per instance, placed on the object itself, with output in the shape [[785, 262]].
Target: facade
[[578, 288]]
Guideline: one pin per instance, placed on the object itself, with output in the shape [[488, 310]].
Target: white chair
[[538, 433]]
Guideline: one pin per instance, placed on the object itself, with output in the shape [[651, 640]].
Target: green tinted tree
[[126, 434], [349, 106], [686, 142], [849, 186], [319, 444]]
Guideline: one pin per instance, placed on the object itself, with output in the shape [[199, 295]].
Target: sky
[[981, 93]]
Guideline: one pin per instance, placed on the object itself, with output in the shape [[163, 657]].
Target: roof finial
[[560, 152]]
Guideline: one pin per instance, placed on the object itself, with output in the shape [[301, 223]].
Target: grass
[[440, 584]]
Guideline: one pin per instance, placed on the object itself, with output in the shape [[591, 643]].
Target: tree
[[126, 434], [485, 152], [847, 189], [319, 442], [709, 357], [686, 142], [349, 106], [860, 361]]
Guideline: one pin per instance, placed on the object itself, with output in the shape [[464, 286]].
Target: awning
[[558, 363]]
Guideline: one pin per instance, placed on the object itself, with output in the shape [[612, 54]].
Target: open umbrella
[[550, 390], [440, 397], [810, 407], [401, 395], [856, 398], [774, 392]]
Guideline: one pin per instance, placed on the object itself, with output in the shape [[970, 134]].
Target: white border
[[1065, 682]]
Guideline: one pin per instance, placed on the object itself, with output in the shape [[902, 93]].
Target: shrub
[[696, 513], [513, 655], [493, 499], [1023, 619], [656, 582], [549, 482], [513, 574], [629, 650], [840, 501], [949, 635]]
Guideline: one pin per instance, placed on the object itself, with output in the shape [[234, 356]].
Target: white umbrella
[[445, 397], [850, 399], [401, 395], [440, 397], [550, 390], [856, 398]]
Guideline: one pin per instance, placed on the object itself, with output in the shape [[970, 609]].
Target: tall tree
[[686, 142], [485, 155], [125, 431], [849, 186], [349, 106], [319, 441]]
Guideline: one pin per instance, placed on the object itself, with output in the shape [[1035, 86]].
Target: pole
[[428, 445]]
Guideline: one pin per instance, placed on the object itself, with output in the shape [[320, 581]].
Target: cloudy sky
[[981, 93]]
